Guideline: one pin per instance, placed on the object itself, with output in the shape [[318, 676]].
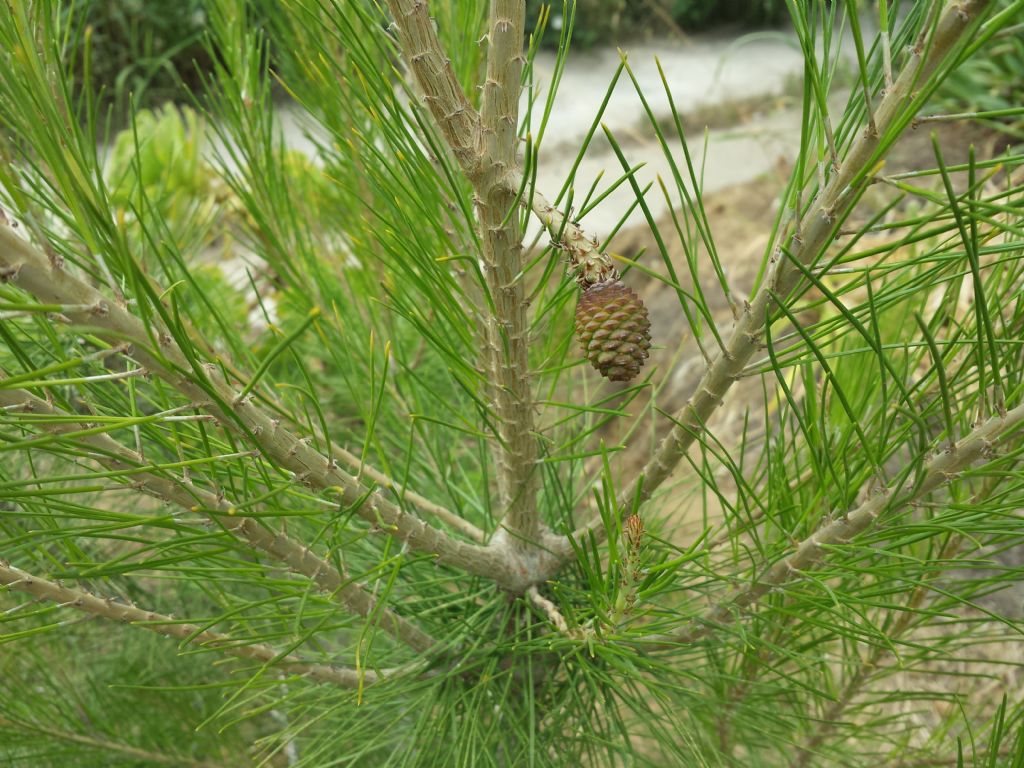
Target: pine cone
[[613, 329]]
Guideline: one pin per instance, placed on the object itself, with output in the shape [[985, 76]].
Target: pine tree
[[304, 464]]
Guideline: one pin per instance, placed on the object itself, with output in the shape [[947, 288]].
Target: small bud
[[634, 529]]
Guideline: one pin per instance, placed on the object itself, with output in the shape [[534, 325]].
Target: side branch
[[51, 283], [42, 589], [586, 259], [979, 444], [421, 503], [298, 558], [829, 719], [805, 243], [442, 92]]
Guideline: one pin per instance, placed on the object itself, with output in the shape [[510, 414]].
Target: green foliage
[[991, 84], [602, 21], [696, 14], [344, 295], [143, 50], [160, 159]]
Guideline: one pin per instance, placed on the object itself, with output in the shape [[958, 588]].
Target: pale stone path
[[704, 74]]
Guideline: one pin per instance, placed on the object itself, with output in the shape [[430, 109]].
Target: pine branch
[[758, 661], [862, 674], [442, 92], [299, 558], [51, 283], [979, 444], [809, 238], [106, 745], [508, 327], [422, 503], [586, 259], [485, 146], [43, 589]]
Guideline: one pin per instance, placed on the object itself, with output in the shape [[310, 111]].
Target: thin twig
[[299, 559], [43, 589], [968, 116], [423, 504], [554, 616], [667, 19], [549, 609]]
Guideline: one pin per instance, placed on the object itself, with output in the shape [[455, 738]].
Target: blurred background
[[152, 51]]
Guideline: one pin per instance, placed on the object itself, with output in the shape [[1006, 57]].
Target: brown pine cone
[[613, 329]]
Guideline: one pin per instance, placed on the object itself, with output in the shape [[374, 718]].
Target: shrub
[[146, 51], [604, 21]]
